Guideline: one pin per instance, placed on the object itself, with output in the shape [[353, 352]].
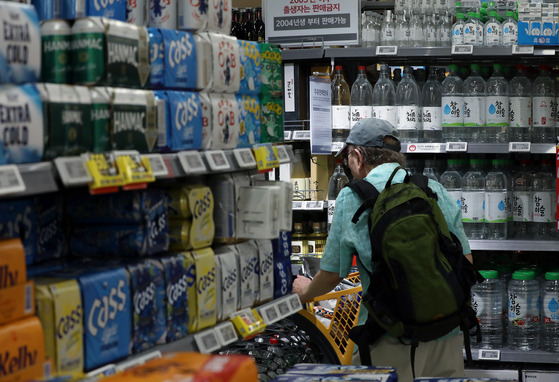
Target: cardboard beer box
[[201, 288], [17, 302], [12, 263], [177, 300]]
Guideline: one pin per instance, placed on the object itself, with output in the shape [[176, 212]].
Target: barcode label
[[72, 171], [207, 341], [489, 355], [295, 303], [522, 49], [28, 299], [389, 50], [462, 49], [228, 334], [210, 341], [301, 135], [283, 156], [10, 180], [271, 314], [191, 162], [157, 164], [457, 146], [314, 205], [283, 308], [47, 369], [297, 205], [519, 147]]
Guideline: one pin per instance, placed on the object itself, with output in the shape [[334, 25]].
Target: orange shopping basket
[[344, 318]]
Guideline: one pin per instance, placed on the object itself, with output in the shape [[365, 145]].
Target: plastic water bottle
[[387, 30], [522, 201], [430, 29], [550, 313], [452, 107], [474, 106], [543, 202], [458, 29], [408, 109], [403, 32], [384, 97], [451, 180], [524, 312], [470, 30], [487, 301], [497, 107], [495, 204], [370, 31], [510, 29], [473, 198], [361, 99], [479, 29], [543, 107], [337, 181], [444, 29], [492, 33], [340, 107], [417, 38], [520, 106], [431, 112], [429, 170]]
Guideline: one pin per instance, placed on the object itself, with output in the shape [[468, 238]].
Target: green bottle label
[[88, 58], [100, 122], [69, 131], [56, 59]]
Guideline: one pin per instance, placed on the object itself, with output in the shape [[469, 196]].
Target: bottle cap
[[524, 274], [273, 341], [552, 275], [476, 161], [453, 161], [489, 274]]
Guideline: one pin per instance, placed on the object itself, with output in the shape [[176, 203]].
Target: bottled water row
[[522, 313], [497, 205], [471, 29]]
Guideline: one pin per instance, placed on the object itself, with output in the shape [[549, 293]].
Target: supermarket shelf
[[509, 355], [476, 148], [296, 54], [38, 178], [515, 245]]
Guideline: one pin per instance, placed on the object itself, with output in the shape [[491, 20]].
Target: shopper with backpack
[[412, 257]]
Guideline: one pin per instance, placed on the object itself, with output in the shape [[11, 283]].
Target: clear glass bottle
[[387, 31], [497, 107], [408, 108], [474, 106], [430, 29], [337, 181], [473, 197], [543, 107], [416, 26], [444, 29], [340, 107], [431, 114], [384, 97], [520, 106], [496, 193], [452, 106], [361, 98]]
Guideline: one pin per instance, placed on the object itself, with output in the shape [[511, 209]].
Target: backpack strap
[[422, 182], [367, 192]]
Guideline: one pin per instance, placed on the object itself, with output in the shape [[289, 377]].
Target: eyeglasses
[[345, 158]]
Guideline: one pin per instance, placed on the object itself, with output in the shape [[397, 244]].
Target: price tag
[[302, 135], [520, 147], [270, 314], [522, 49], [191, 162], [387, 50], [457, 146], [104, 371], [283, 156], [287, 135], [266, 157], [226, 333], [72, 171], [10, 180], [295, 303], [217, 160], [244, 158], [489, 355], [297, 205], [315, 205], [135, 169], [462, 49], [207, 341], [104, 171], [337, 146], [424, 148], [158, 167], [284, 308]]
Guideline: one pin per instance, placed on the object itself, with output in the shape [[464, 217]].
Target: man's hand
[[322, 283]]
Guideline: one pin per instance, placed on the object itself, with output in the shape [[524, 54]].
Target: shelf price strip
[[489, 355], [217, 160], [520, 147], [244, 158], [158, 167], [10, 180], [191, 162], [207, 341], [457, 146], [226, 333]]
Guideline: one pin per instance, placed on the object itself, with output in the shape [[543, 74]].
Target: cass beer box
[[23, 351], [175, 268], [180, 59], [247, 257], [319, 372], [227, 281], [18, 220], [201, 288]]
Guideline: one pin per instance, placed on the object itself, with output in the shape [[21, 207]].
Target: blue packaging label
[[147, 284], [282, 246], [46, 9], [180, 64], [21, 124], [112, 9], [251, 74], [20, 43], [249, 120], [51, 237], [72, 9], [106, 302], [163, 121], [157, 58], [18, 220], [177, 303], [282, 278], [185, 121]]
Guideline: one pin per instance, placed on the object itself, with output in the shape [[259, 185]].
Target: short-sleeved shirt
[[346, 238]]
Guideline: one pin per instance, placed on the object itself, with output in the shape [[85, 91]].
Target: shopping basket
[[345, 316]]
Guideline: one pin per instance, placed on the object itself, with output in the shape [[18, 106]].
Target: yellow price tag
[[248, 323], [266, 157], [136, 170], [106, 175]]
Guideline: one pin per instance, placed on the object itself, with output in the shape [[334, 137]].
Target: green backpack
[[420, 284]]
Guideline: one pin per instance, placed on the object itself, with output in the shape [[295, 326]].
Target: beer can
[[177, 203], [55, 42], [179, 234], [162, 14], [88, 51]]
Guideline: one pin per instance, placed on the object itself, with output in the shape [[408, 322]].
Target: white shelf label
[[489, 355], [280, 308], [520, 147], [191, 162], [72, 171], [217, 160], [457, 146], [462, 49], [158, 166], [245, 158], [302, 135], [337, 146], [287, 135], [270, 314], [104, 371], [297, 205], [387, 50], [522, 49], [283, 156], [226, 333], [284, 308], [207, 341], [10, 180], [424, 148], [315, 205], [295, 303]]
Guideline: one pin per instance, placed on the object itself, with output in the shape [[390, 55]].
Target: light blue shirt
[[345, 238]]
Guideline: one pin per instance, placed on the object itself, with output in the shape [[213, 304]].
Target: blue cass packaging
[[18, 220], [157, 58], [177, 303], [49, 212], [180, 63]]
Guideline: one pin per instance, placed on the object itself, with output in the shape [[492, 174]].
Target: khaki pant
[[441, 358]]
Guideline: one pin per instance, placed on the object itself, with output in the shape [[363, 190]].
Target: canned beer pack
[[180, 59], [271, 119], [192, 16], [249, 120], [49, 212], [204, 70], [56, 66], [226, 63], [162, 13], [271, 69], [227, 281], [157, 58], [201, 284], [101, 118], [265, 291], [12, 263], [247, 253], [18, 220], [251, 72], [175, 269], [225, 121], [219, 16], [207, 120]]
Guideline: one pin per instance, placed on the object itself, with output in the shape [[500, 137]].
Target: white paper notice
[[321, 123]]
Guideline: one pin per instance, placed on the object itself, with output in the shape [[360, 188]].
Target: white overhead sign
[[312, 22]]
